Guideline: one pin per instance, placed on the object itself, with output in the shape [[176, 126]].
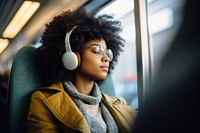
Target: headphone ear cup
[[79, 59], [70, 60]]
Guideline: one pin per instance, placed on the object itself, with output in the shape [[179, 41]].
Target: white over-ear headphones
[[69, 58]]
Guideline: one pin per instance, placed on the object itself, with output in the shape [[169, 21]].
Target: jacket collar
[[65, 110]]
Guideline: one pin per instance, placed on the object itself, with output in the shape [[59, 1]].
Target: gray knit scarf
[[94, 99]]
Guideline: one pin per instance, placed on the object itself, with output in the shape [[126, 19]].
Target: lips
[[104, 67]]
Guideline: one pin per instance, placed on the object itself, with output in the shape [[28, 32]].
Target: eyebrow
[[96, 44]]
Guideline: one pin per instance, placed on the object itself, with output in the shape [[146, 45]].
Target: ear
[[79, 59]]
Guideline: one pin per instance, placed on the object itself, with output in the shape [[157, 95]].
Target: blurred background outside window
[[125, 73]]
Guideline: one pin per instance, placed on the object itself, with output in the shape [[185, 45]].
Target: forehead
[[96, 42]]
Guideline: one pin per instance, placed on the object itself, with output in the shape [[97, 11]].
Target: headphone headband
[[67, 40]]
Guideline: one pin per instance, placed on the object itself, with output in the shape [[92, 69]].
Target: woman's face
[[95, 60]]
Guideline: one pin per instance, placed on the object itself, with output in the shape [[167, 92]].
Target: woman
[[78, 50]]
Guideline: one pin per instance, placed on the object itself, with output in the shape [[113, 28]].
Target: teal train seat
[[26, 76]]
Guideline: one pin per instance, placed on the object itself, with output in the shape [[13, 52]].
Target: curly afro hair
[[89, 27]]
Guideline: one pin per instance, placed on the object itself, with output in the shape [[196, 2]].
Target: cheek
[[89, 63]]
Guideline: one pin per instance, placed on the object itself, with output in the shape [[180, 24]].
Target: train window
[[164, 18], [125, 73]]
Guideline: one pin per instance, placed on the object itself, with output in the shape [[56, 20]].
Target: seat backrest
[[26, 76]]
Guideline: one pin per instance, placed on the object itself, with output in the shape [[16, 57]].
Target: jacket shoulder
[[50, 90], [114, 99]]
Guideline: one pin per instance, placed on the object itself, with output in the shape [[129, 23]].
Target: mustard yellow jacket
[[53, 111]]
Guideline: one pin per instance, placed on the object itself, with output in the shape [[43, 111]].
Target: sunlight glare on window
[[161, 20], [114, 9]]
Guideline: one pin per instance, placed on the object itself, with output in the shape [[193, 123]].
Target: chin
[[102, 77]]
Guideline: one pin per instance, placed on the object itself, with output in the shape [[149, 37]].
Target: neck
[[83, 85]]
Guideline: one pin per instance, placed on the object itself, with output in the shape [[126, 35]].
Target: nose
[[105, 58]]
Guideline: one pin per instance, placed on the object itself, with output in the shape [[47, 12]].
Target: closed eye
[[96, 50]]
